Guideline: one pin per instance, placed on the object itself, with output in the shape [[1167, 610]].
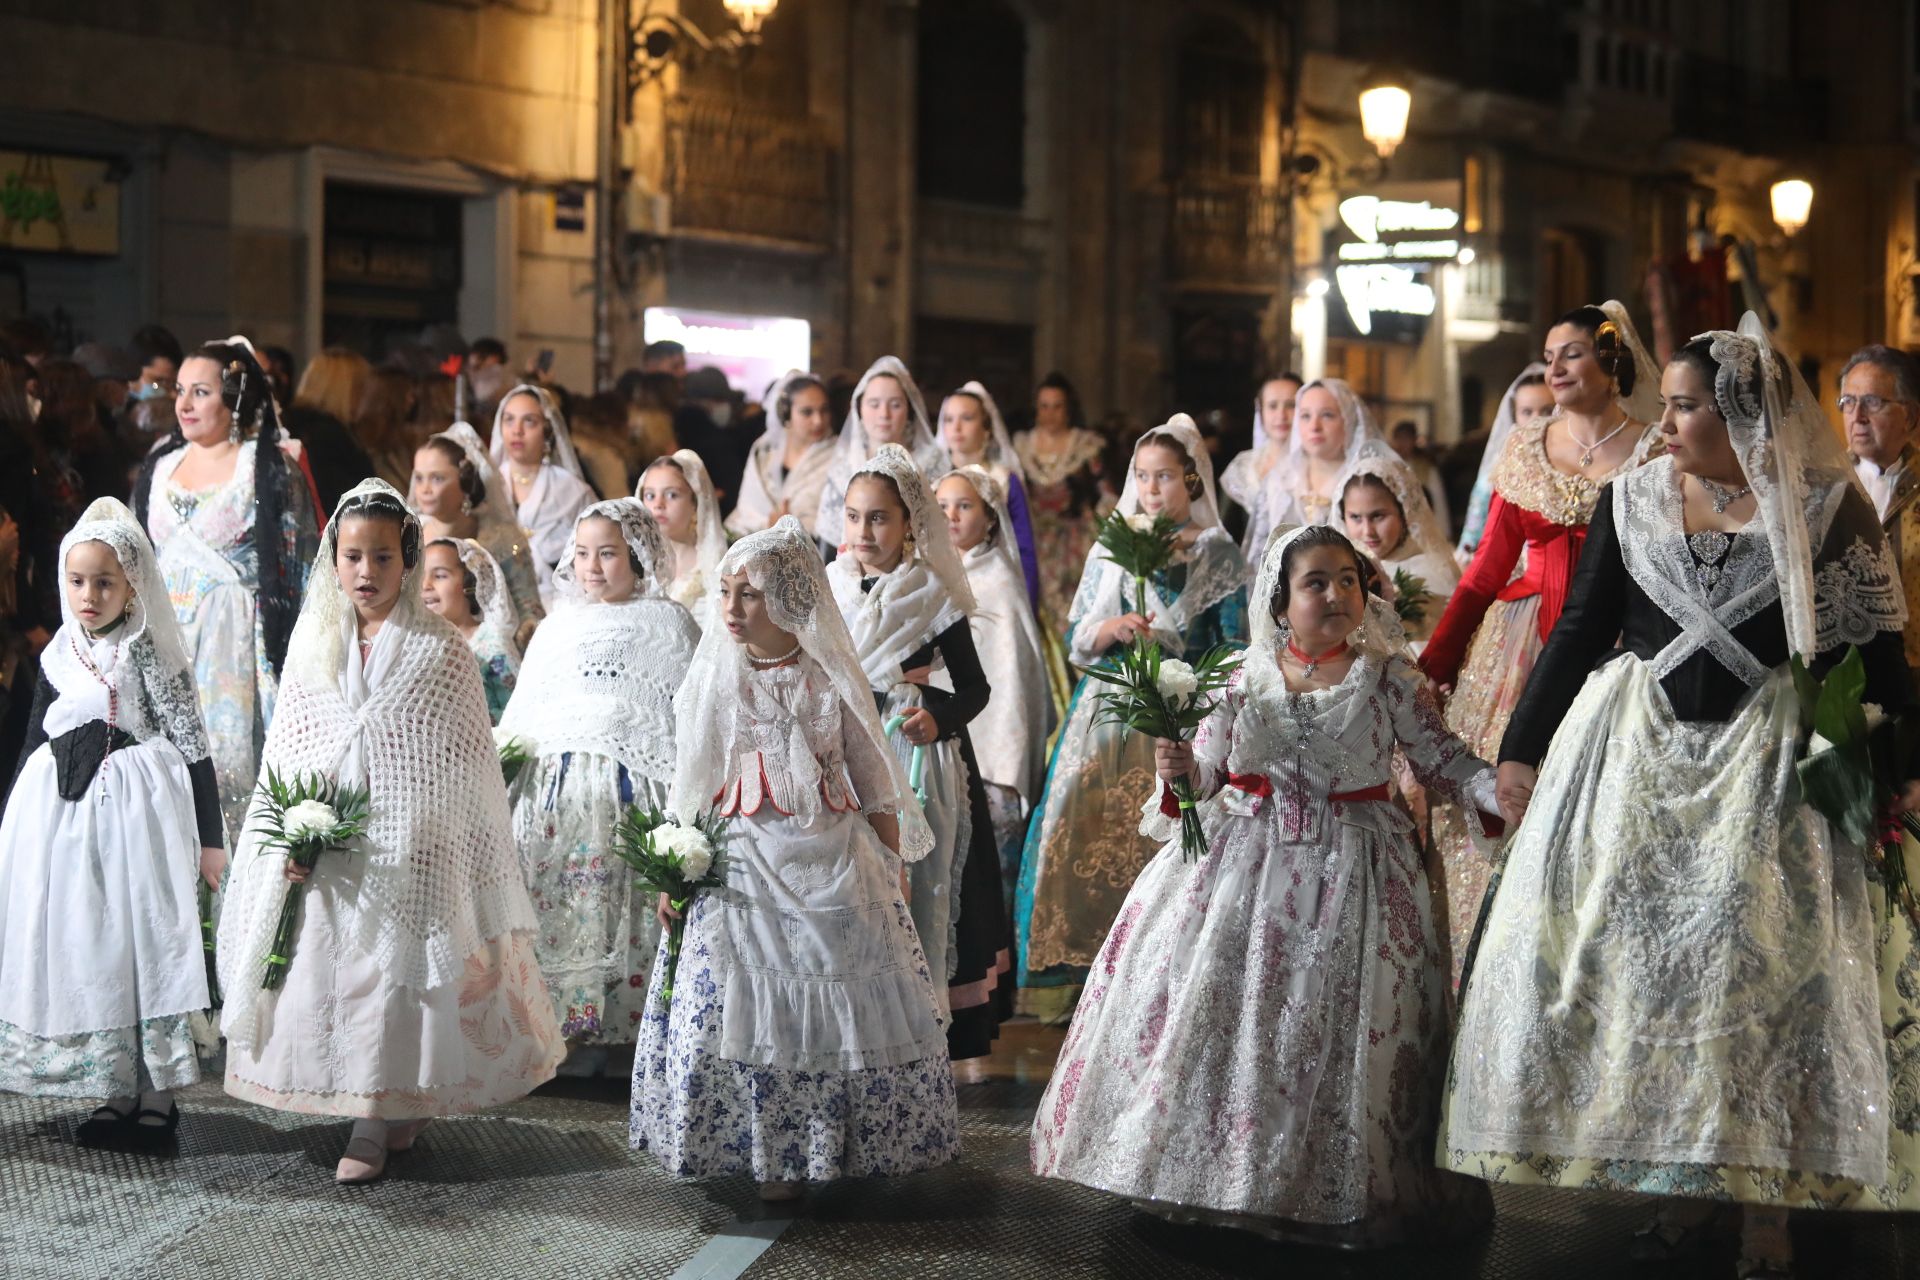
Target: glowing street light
[[1792, 202], [749, 14], [1384, 107]]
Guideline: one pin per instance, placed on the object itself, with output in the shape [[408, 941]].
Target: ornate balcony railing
[[738, 169], [1229, 233]]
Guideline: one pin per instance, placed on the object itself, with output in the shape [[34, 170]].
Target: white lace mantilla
[[600, 679]]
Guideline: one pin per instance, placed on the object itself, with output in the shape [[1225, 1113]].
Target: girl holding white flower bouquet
[[411, 988], [114, 810], [906, 600], [1381, 507], [1263, 1040], [1674, 986], [804, 1041], [595, 701], [1082, 851]]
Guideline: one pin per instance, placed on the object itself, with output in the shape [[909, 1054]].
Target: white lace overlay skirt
[[1262, 1036], [805, 1039], [339, 1039], [1678, 969], [100, 926]]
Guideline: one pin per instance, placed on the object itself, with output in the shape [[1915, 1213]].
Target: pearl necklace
[[769, 663], [1586, 459]]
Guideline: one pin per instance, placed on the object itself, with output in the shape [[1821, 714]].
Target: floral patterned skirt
[[1261, 1042], [804, 1041], [597, 932], [157, 1054], [1499, 660]]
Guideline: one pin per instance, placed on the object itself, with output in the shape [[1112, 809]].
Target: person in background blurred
[[655, 397], [1406, 442], [433, 404], [487, 376], [30, 339], [86, 457], [328, 395], [160, 355], [608, 455], [281, 370], [106, 467], [666, 357], [705, 423], [1061, 462], [383, 424]]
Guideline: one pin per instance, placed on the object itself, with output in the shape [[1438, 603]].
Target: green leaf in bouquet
[[1838, 789], [1807, 689], [1410, 597], [1840, 715]]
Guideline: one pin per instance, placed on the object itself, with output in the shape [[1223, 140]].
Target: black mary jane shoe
[[149, 1128], [104, 1128]]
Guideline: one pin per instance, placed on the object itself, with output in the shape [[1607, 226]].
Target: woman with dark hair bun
[[1544, 488], [233, 527], [1061, 466]]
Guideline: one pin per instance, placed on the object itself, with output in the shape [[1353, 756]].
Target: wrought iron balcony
[[734, 169], [1226, 233]]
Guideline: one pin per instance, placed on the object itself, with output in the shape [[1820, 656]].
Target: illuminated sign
[[1386, 230], [751, 350], [1382, 287]]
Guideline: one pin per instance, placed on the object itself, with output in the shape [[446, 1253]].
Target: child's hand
[[1172, 760], [1123, 629], [295, 873], [919, 727], [213, 862], [1513, 787], [664, 912]]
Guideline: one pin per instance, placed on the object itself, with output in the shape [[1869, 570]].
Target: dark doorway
[[392, 266], [947, 353], [1216, 361]]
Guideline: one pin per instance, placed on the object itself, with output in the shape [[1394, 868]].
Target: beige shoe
[[780, 1192], [364, 1161], [401, 1136]]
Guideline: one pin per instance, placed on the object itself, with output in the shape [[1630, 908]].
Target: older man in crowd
[[1880, 408]]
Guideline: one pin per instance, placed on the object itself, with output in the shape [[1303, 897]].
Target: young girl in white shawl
[[787, 468], [906, 599], [114, 809], [457, 493], [412, 989], [1381, 507], [1331, 427], [1010, 736], [1264, 1039], [887, 409], [1082, 851], [594, 708], [463, 584], [544, 481], [975, 435], [805, 1040], [1244, 478], [678, 494]]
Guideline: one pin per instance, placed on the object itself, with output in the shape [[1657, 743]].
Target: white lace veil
[[931, 541], [1644, 404], [854, 448], [1503, 423], [489, 591], [999, 441], [1361, 431], [1786, 449], [709, 537], [318, 648], [994, 495], [559, 441], [1379, 633], [784, 565], [497, 505], [110, 522], [1206, 507], [643, 538], [775, 433], [1424, 534]]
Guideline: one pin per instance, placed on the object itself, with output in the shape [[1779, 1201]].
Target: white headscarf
[[1000, 455], [1503, 423], [1286, 479], [784, 566], [1215, 567], [1644, 404], [559, 441], [643, 538], [496, 504], [855, 448], [709, 537], [1424, 535], [498, 618], [1379, 633]]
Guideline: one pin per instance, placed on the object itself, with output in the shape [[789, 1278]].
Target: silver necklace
[[788, 656], [1586, 459], [1721, 496]]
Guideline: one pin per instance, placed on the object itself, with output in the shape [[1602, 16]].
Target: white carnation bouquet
[[1167, 698], [677, 860], [304, 818], [514, 750]]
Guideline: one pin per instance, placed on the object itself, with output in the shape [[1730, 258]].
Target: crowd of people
[[1508, 875]]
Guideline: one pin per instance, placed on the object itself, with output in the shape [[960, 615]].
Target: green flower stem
[[676, 930], [1193, 836]]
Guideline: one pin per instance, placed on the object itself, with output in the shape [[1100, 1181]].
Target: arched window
[[973, 112]]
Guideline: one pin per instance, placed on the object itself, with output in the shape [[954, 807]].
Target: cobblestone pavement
[[547, 1187]]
